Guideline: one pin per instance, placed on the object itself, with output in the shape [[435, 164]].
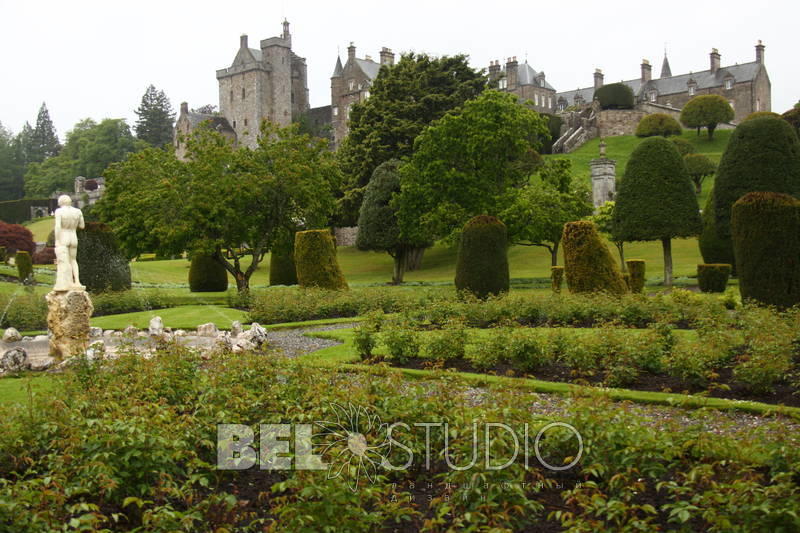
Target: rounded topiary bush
[[556, 278], [713, 277], [282, 270], [315, 260], [46, 256], [766, 243], [684, 147], [24, 266], [714, 249], [699, 168], [16, 237], [482, 264], [792, 117], [206, 274], [761, 114], [658, 124], [636, 271], [102, 265], [615, 96], [588, 264], [763, 154]]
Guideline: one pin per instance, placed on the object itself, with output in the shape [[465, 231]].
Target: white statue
[[68, 220]]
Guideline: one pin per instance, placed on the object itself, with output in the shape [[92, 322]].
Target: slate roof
[[218, 122], [370, 68], [526, 75], [704, 79]]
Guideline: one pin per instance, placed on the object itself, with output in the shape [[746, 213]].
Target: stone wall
[[345, 236], [612, 122]]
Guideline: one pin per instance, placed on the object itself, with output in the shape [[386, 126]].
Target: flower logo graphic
[[357, 440]]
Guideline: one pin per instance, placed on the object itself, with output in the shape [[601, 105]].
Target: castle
[[270, 83]]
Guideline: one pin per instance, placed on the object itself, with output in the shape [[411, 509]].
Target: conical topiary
[[282, 270], [206, 274], [588, 264], [766, 242], [713, 248], [315, 260], [482, 265]]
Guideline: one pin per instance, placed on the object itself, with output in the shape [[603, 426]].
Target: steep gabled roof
[[218, 122], [368, 67], [338, 70], [666, 72], [526, 75]]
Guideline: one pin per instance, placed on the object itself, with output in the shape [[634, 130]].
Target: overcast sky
[[95, 58]]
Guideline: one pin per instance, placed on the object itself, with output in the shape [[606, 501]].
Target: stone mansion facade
[[271, 83]]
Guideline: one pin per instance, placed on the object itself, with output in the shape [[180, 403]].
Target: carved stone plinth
[[68, 321]]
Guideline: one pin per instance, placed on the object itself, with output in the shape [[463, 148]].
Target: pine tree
[[156, 118], [43, 139]]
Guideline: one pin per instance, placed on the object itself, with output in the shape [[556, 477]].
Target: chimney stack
[[511, 71], [760, 52], [243, 41], [185, 106], [494, 70], [351, 51], [598, 78], [647, 71], [714, 55], [387, 56]]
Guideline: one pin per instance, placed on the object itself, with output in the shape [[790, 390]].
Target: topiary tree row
[[766, 241], [588, 264], [482, 264], [706, 111], [658, 124], [315, 259]]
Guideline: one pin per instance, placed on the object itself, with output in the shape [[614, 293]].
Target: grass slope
[[41, 228]]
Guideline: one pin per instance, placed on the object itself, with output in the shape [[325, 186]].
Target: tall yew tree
[[156, 118], [656, 199], [43, 139]]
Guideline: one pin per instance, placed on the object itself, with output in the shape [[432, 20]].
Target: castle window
[[366, 95], [502, 83], [729, 84], [653, 96], [231, 95], [292, 97], [549, 102], [335, 111], [691, 90], [242, 93], [245, 122], [535, 99], [758, 104], [234, 124], [351, 84]]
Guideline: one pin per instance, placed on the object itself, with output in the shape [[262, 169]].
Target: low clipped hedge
[[482, 264], [206, 274], [765, 227], [282, 270], [588, 264], [315, 260], [636, 271], [102, 265], [556, 278], [24, 265], [713, 277], [615, 96], [658, 124]]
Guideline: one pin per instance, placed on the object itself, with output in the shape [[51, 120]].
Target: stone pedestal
[[68, 321], [603, 180]]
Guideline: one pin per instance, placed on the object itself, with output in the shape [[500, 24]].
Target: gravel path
[[294, 342]]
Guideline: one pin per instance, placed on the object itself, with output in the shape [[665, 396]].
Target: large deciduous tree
[[228, 203], [656, 199], [156, 118], [706, 111], [538, 211], [464, 164], [404, 99]]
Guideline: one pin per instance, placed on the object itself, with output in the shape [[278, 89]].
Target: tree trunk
[[414, 258], [400, 265], [242, 282], [667, 245], [621, 249], [554, 255]]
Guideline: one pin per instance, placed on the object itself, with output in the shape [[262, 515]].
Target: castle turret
[[666, 72], [286, 35], [714, 60]]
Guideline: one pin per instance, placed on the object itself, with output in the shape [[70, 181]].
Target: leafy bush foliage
[[636, 270], [706, 111], [315, 260], [206, 274], [763, 154], [588, 264], [24, 266], [556, 278], [15, 237], [615, 96], [658, 124], [102, 265], [684, 147], [766, 243], [482, 264], [45, 256], [713, 277], [793, 118]]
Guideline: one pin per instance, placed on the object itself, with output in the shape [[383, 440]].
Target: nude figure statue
[[68, 220]]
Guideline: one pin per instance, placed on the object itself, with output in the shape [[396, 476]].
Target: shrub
[[715, 250], [51, 238], [706, 111], [615, 96], [556, 278], [699, 168], [28, 312], [656, 199], [588, 264], [24, 266], [315, 260], [761, 114], [762, 155], [482, 264], [684, 147], [713, 277], [102, 265], [46, 256], [636, 270], [15, 237], [281, 268], [793, 118], [766, 242], [401, 342], [658, 124], [206, 274], [449, 343]]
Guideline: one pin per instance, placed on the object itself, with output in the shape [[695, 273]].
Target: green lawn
[[41, 228], [15, 390], [184, 317]]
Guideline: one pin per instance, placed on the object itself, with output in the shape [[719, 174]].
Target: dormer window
[[729, 84], [351, 84], [335, 111], [653, 96], [691, 90], [502, 83]]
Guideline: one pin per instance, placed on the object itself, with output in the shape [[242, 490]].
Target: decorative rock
[[117, 334], [236, 328], [11, 335], [68, 321], [243, 345], [109, 333], [207, 330], [15, 360], [223, 342], [95, 332], [96, 351], [156, 328], [130, 331], [27, 339], [40, 364], [41, 338], [256, 334], [179, 333]]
